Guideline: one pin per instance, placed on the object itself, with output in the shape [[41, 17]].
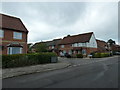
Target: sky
[[51, 20]]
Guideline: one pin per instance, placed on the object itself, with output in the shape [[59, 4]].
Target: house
[[78, 44], [52, 46], [13, 35], [115, 48], [102, 46]]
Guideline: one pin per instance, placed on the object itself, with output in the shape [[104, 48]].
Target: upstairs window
[[83, 44], [1, 33], [17, 35], [75, 45]]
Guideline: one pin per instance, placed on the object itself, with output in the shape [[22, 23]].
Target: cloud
[[48, 20]]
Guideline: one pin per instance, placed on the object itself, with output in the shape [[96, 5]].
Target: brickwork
[[8, 38]]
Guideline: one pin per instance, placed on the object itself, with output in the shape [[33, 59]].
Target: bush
[[100, 55], [79, 55], [19, 60]]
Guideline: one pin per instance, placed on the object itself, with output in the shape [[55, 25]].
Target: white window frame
[[84, 52], [17, 35], [75, 44], [9, 50], [62, 46], [64, 51], [53, 47], [70, 52], [2, 34]]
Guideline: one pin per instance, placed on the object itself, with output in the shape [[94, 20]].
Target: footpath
[[11, 72]]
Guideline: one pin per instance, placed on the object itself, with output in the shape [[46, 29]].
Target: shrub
[[100, 55], [105, 54], [19, 60], [79, 55]]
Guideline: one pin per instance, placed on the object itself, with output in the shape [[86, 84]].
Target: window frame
[[2, 33], [62, 46], [16, 36], [52, 46], [10, 50]]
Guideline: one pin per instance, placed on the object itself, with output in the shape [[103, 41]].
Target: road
[[84, 73]]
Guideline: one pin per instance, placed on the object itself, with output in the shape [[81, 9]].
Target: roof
[[12, 23], [53, 42], [102, 45], [48, 43], [101, 42], [81, 38], [33, 46]]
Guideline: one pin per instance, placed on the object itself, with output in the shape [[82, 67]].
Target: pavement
[[11, 72]]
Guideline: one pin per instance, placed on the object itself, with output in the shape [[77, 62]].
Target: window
[[72, 45], [84, 51], [1, 33], [83, 44], [52, 47], [14, 50], [62, 46], [64, 51], [17, 35], [75, 44], [70, 52], [1, 48]]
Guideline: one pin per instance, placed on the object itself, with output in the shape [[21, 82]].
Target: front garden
[[20, 60]]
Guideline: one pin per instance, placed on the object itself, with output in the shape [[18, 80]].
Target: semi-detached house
[[13, 35], [83, 43]]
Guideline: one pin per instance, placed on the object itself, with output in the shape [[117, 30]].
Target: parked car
[[117, 53], [67, 55], [90, 55]]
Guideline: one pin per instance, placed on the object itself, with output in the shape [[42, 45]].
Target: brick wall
[[76, 49]]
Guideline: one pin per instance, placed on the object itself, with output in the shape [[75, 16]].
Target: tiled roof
[[49, 43], [81, 38], [102, 45], [53, 42], [115, 47], [12, 23], [101, 42]]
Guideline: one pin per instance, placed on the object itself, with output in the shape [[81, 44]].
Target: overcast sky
[[52, 20]]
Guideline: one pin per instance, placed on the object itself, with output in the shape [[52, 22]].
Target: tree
[[41, 47], [111, 42], [29, 47]]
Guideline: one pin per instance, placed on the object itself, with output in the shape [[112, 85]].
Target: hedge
[[79, 55], [20, 60], [100, 55]]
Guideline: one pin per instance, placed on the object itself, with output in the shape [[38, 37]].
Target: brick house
[[13, 35], [115, 48], [83, 43], [102, 46], [53, 45]]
